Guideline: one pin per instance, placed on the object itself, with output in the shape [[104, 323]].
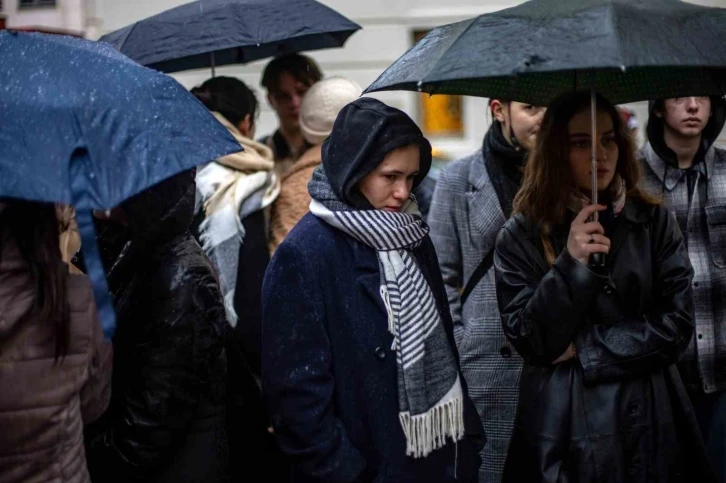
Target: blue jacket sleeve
[[296, 371]]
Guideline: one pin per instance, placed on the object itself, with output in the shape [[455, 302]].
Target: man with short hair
[[471, 202], [681, 163], [287, 79]]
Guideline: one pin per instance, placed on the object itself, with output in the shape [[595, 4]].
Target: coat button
[[608, 289], [505, 352], [380, 353]]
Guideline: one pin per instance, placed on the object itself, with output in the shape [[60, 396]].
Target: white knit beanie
[[321, 105]]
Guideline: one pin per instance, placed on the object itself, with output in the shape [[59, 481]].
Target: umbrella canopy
[[627, 50], [84, 125], [209, 33], [78, 110]]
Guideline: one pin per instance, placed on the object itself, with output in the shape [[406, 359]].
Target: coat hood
[[709, 135], [365, 131], [164, 211]]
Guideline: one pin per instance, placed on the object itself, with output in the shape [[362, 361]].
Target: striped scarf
[[429, 390]]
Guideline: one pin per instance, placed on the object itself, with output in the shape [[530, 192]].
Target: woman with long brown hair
[[600, 398], [55, 367]]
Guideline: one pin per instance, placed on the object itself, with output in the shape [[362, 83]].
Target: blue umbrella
[[209, 33], [86, 126]]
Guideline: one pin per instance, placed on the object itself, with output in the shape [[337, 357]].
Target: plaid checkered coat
[[465, 218], [703, 220]]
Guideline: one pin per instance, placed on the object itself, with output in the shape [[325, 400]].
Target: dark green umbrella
[[627, 50]]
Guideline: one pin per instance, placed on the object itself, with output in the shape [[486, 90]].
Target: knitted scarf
[[505, 165], [430, 395], [228, 190]]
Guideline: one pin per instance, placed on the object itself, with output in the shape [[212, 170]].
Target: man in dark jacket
[[681, 163], [166, 420]]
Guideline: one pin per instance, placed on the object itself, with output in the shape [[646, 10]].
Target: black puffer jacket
[[167, 414], [618, 412]]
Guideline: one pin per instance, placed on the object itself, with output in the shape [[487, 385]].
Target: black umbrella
[[209, 33], [627, 50]]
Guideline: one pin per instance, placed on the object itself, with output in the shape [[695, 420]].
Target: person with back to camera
[[55, 366], [232, 213], [166, 419]]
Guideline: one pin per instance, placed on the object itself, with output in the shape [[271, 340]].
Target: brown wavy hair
[[33, 227], [548, 183]]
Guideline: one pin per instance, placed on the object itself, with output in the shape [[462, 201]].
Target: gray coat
[[465, 218]]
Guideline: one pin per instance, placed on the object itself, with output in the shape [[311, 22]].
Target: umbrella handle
[[597, 260]]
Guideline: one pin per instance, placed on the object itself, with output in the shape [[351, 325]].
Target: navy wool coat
[[329, 374]]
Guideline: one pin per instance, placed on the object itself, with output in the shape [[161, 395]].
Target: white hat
[[321, 105]]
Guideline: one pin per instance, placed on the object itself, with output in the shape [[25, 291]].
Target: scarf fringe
[[229, 308], [427, 432], [389, 310]]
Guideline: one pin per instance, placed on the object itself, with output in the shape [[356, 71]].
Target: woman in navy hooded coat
[[359, 368]]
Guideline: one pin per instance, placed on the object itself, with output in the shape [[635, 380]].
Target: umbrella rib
[[450, 46], [614, 25], [133, 27]]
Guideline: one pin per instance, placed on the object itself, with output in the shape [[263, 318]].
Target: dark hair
[[33, 227], [547, 183], [228, 96], [301, 67]]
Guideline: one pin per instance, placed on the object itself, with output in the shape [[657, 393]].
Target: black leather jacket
[[618, 411], [167, 414]]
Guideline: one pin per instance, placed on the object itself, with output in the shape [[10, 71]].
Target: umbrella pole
[[211, 58], [593, 144], [596, 259]]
